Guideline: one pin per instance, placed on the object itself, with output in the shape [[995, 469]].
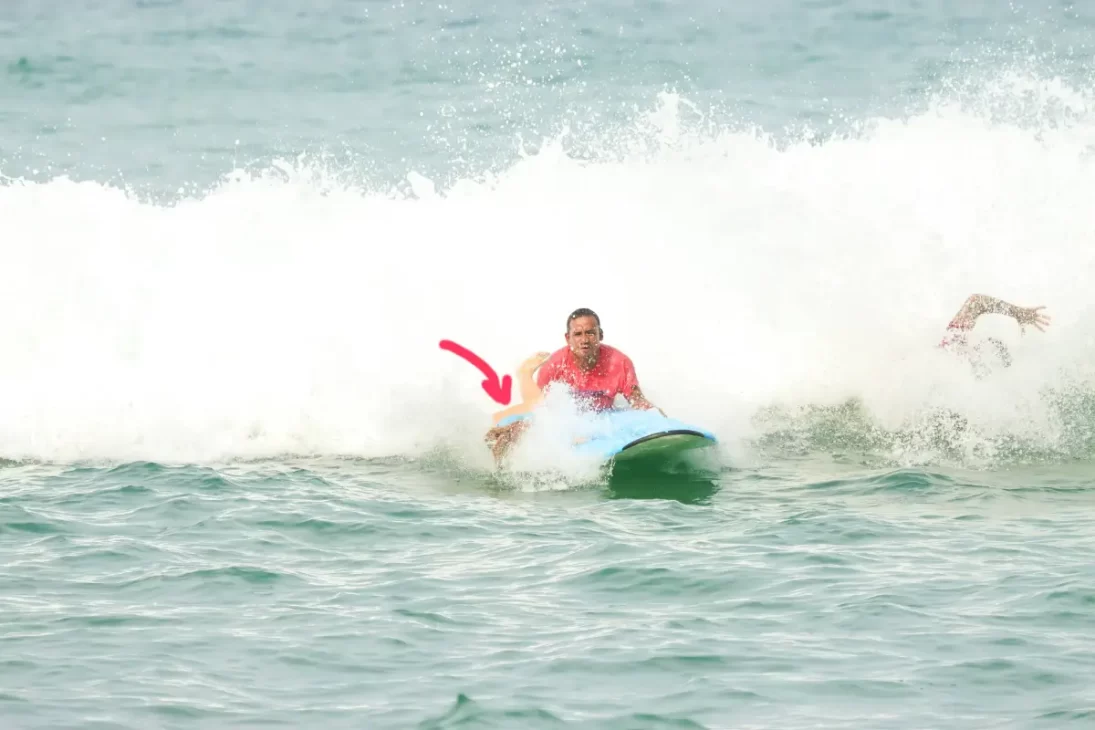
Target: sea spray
[[292, 312]]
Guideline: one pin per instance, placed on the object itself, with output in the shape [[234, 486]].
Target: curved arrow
[[498, 390]]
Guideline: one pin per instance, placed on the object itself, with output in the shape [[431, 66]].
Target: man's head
[[584, 334]]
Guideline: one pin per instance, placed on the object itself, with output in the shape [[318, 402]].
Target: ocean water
[[242, 486]]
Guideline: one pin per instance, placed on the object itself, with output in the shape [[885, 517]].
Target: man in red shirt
[[595, 372]]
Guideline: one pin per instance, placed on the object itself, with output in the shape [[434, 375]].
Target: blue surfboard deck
[[626, 434]]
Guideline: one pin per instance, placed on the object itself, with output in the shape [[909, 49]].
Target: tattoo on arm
[[979, 304], [984, 304]]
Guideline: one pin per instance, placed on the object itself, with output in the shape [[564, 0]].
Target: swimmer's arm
[[979, 304]]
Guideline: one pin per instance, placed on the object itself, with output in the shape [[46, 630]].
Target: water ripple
[[266, 594]]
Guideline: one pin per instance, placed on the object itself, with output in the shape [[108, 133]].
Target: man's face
[[584, 337]]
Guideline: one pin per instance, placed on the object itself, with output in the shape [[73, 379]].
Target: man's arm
[[629, 388], [531, 394], [528, 387], [638, 400], [546, 371], [979, 304]]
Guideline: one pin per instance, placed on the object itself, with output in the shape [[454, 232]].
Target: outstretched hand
[[1032, 316], [529, 365]]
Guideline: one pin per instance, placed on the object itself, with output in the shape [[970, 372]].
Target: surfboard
[[630, 435]]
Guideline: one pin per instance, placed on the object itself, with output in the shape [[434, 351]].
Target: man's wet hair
[[583, 312]]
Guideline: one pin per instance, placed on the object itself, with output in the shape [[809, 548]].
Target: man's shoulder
[[557, 357], [615, 361], [615, 354], [960, 323]]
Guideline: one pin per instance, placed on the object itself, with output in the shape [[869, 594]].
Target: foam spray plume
[[282, 313]]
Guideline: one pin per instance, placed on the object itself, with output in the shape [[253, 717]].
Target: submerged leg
[[501, 438]]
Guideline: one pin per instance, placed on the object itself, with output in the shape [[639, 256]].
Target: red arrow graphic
[[499, 391]]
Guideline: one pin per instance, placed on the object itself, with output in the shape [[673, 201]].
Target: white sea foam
[[284, 313]]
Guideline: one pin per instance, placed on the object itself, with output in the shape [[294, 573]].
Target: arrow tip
[[500, 392]]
